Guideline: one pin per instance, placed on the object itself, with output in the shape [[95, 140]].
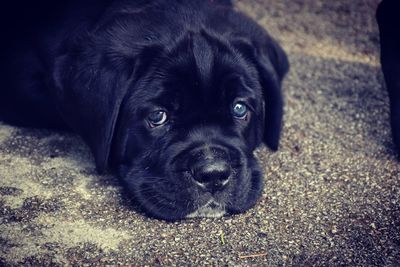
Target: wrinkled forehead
[[203, 69]]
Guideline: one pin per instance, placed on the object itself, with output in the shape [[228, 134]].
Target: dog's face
[[180, 121], [188, 131]]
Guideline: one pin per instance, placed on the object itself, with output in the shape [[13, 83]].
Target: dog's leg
[[388, 17]]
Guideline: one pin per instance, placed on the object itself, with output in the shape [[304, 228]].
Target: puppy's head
[[181, 124]]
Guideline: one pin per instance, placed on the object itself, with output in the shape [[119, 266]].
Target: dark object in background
[[173, 95], [388, 17]]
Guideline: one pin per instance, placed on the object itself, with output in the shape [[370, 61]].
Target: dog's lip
[[211, 209]]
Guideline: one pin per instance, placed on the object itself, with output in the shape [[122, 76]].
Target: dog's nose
[[213, 176]]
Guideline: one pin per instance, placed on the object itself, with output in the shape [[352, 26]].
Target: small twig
[[252, 256], [222, 238]]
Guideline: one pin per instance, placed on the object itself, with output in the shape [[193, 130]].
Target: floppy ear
[[272, 66], [90, 86], [88, 93]]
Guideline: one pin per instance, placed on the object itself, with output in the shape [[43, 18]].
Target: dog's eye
[[157, 118], [239, 110]]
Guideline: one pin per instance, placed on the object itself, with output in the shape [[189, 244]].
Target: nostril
[[212, 176]]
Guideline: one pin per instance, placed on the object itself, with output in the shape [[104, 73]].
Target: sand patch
[[5, 132], [73, 233], [18, 174], [68, 233]]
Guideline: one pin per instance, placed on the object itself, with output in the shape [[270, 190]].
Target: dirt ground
[[331, 193]]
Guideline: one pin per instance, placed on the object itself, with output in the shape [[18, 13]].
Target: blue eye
[[240, 110], [157, 118]]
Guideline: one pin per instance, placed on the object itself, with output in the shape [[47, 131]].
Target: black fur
[[101, 67], [389, 26]]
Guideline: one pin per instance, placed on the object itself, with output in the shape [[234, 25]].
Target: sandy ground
[[331, 193]]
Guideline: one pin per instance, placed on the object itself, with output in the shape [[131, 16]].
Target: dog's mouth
[[211, 209], [208, 186], [179, 197]]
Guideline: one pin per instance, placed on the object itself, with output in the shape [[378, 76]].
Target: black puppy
[[174, 95], [389, 26]]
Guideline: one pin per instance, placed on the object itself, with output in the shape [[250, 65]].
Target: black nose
[[212, 176]]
